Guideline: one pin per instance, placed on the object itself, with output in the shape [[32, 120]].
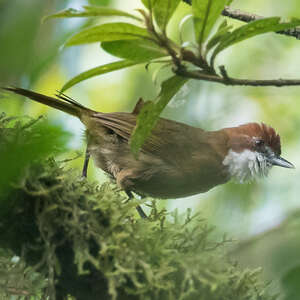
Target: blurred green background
[[261, 216]]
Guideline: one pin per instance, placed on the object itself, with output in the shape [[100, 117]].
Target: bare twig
[[240, 15], [248, 17], [235, 81]]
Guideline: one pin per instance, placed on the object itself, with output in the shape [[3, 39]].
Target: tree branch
[[248, 17], [240, 15], [226, 80], [206, 71]]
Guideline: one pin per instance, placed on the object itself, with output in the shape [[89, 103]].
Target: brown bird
[[177, 160]]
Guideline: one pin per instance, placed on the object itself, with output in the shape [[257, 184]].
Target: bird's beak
[[281, 162]]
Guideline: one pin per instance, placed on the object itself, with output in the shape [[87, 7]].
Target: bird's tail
[[62, 102]]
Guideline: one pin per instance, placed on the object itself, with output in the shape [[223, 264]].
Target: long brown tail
[[62, 102]]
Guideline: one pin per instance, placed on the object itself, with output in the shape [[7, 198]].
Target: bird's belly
[[167, 188]]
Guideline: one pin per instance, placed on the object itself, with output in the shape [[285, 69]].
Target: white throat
[[246, 165]]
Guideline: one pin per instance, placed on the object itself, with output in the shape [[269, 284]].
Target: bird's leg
[[129, 194], [124, 182], [86, 163], [138, 207]]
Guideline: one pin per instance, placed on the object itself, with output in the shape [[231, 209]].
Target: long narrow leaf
[[108, 32], [252, 29], [206, 12], [151, 111], [149, 3], [133, 49], [100, 70], [163, 11], [91, 11], [223, 30]]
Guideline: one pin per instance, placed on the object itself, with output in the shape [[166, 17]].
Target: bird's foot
[[139, 209]]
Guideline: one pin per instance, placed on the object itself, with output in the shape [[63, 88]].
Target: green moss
[[89, 243]]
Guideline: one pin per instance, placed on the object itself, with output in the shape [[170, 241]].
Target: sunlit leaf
[[163, 11], [108, 32], [151, 111], [133, 49], [91, 11], [252, 29], [101, 70], [148, 3], [222, 31], [206, 12]]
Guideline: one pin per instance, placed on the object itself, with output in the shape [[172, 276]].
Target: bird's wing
[[123, 125], [157, 143]]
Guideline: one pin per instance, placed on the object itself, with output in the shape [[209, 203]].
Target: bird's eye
[[259, 143]]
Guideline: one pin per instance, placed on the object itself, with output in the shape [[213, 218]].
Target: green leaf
[[252, 29], [151, 111], [101, 70], [108, 32], [91, 11], [206, 13], [163, 11], [134, 49], [221, 33], [145, 3], [149, 3]]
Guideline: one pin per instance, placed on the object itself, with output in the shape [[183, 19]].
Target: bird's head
[[253, 150]]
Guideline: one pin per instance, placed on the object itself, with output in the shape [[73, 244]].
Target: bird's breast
[[189, 177]]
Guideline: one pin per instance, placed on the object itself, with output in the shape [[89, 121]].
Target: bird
[[177, 160]]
